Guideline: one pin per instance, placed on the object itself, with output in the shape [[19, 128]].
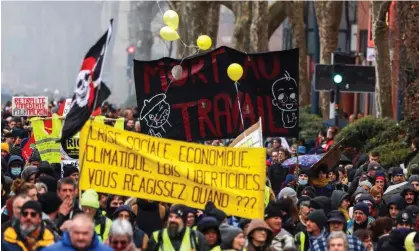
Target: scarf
[[345, 212], [32, 238], [320, 182], [363, 225]]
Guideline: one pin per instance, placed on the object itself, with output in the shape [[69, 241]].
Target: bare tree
[[139, 27], [382, 57], [328, 17], [295, 10]]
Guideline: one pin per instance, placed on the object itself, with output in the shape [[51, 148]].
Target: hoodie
[[259, 225], [140, 238], [15, 172], [409, 188], [337, 197]]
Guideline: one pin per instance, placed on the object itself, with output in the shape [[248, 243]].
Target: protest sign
[[331, 158], [30, 106], [131, 164], [203, 103], [71, 146], [252, 137], [47, 144]]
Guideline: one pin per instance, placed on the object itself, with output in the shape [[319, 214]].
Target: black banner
[[203, 103]]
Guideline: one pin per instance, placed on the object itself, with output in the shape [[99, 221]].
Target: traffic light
[[338, 74], [130, 59], [131, 49]]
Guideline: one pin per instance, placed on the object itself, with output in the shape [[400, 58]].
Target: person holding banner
[[177, 236]]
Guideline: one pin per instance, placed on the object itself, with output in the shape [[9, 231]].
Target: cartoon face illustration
[[284, 92], [155, 111], [82, 88]]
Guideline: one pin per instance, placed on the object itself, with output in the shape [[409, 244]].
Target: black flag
[[90, 91]]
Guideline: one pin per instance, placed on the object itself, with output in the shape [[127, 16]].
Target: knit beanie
[[361, 206], [413, 178], [49, 181], [208, 223], [90, 199], [289, 178], [287, 192], [27, 172], [69, 170], [50, 202], [317, 216], [5, 147], [45, 168], [365, 183], [272, 210], [309, 191], [181, 211], [32, 204], [35, 156], [228, 233]]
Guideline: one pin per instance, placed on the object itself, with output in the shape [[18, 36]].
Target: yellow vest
[[167, 244], [216, 248], [267, 195], [47, 144], [103, 231]]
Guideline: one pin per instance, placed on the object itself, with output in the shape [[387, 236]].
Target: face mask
[[302, 182], [16, 170]]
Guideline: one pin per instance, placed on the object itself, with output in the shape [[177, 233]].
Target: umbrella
[[394, 189], [304, 161]]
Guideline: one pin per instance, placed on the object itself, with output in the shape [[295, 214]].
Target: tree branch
[[277, 14], [385, 6]]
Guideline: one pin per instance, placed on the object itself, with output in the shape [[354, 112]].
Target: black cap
[[404, 217], [69, 170], [397, 171], [50, 202], [336, 216], [181, 211], [34, 205], [318, 217], [413, 209]]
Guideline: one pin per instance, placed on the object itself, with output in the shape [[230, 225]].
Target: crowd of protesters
[[337, 208]]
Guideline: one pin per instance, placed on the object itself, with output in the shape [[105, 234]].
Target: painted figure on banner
[[82, 88], [156, 113], [285, 98]]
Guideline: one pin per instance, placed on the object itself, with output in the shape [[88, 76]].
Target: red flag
[[28, 148]]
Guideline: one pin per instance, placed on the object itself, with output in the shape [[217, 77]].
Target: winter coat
[[15, 158], [277, 175], [255, 225], [337, 198], [395, 241], [65, 245], [13, 241], [282, 241]]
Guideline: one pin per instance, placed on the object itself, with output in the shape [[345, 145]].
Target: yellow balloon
[[168, 33], [204, 42], [235, 71], [171, 19]]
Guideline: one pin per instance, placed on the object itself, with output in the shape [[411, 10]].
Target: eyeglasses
[[26, 213], [123, 243]]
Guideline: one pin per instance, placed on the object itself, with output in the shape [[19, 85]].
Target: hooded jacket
[[140, 237], [14, 159], [337, 197], [409, 188], [65, 245], [256, 225], [396, 240]]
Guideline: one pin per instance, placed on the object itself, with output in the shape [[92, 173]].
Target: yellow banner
[[48, 145], [132, 164]]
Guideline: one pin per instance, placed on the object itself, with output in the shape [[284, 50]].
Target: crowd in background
[[339, 208]]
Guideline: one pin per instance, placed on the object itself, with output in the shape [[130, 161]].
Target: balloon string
[[181, 61], [157, 1], [240, 109]]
